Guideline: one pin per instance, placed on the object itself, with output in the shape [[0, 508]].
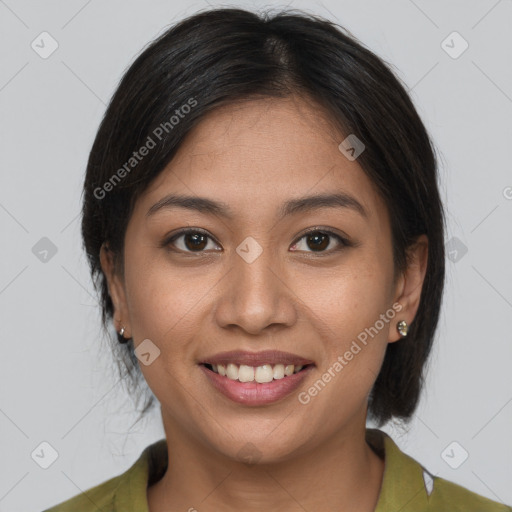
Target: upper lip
[[256, 358]]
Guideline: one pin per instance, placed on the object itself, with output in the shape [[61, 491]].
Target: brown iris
[[320, 241], [195, 241]]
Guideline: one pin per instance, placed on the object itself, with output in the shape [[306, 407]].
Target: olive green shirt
[[406, 485]]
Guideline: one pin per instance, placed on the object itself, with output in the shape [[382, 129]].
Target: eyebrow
[[291, 207]]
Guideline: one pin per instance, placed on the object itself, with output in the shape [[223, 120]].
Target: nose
[[255, 296]]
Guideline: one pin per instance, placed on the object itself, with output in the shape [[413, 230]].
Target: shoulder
[[407, 486], [125, 492], [100, 497], [452, 497]]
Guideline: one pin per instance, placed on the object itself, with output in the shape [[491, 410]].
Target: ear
[[116, 290], [409, 285]]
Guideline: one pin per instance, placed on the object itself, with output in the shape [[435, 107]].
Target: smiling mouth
[[260, 374]]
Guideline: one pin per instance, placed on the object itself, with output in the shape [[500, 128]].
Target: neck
[[343, 473]]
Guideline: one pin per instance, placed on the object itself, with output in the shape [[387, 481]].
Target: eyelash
[[343, 241]]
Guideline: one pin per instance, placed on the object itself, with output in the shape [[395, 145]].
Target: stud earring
[[402, 328], [120, 336]]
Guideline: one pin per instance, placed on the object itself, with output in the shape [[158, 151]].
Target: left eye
[[319, 241]]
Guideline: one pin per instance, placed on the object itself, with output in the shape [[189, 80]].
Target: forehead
[[261, 153]]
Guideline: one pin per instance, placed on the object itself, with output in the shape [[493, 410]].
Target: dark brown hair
[[224, 55]]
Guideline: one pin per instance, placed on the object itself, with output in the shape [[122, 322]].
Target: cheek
[[353, 349], [160, 300], [353, 315], [350, 297], [164, 306]]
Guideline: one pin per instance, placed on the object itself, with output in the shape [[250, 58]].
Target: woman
[[262, 217]]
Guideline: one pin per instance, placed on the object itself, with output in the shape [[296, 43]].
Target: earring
[[120, 336], [402, 328]]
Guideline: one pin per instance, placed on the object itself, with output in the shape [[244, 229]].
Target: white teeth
[[278, 371], [264, 373], [232, 371], [245, 373], [260, 374]]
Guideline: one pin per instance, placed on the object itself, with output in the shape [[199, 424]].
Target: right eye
[[190, 240]]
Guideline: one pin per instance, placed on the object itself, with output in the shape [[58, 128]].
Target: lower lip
[[254, 393]]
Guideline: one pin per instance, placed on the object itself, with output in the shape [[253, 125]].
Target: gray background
[[57, 384]]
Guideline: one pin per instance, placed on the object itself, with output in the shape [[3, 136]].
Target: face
[[267, 269]]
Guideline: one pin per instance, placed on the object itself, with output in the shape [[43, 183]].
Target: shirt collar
[[403, 484], [131, 493]]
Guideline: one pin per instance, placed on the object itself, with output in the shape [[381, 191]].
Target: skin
[[254, 156]]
